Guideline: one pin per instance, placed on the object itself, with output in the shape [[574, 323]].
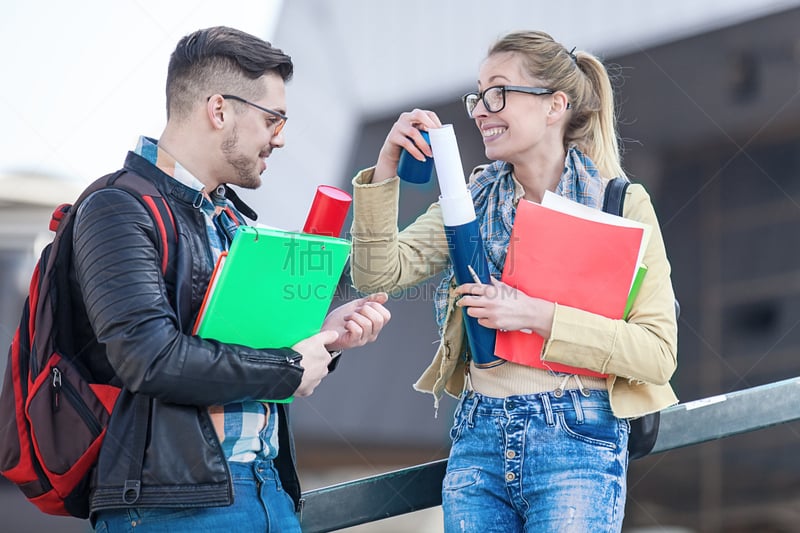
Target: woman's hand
[[500, 306], [358, 322], [405, 134]]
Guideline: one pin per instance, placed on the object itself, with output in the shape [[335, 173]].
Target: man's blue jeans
[[536, 463], [260, 505]]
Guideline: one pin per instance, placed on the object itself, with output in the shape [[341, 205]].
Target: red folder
[[571, 261]]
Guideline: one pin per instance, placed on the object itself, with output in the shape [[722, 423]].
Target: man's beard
[[246, 175]]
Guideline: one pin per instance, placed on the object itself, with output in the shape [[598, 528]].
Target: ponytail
[[598, 135]]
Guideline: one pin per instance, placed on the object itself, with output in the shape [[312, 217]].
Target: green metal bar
[[419, 487]]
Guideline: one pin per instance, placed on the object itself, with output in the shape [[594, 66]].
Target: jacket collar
[[166, 183]]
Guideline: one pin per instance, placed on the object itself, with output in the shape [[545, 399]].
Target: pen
[[474, 275], [477, 280]]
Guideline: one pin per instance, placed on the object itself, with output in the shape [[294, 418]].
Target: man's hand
[[316, 359], [358, 322]]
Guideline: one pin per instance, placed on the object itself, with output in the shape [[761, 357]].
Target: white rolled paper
[[457, 210], [456, 201], [449, 171]]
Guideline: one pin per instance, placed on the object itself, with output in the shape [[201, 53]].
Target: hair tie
[[572, 55]]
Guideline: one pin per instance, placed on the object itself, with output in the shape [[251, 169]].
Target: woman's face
[[513, 133]]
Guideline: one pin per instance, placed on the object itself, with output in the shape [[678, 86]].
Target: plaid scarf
[[493, 195]]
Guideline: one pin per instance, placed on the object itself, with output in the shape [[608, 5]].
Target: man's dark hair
[[220, 60]]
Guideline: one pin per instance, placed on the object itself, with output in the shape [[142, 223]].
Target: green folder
[[634, 292], [272, 288]]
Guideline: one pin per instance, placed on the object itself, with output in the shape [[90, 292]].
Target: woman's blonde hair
[[584, 79]]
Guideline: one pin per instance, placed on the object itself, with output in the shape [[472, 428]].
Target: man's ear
[[215, 112]]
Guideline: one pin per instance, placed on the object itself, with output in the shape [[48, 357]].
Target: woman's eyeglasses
[[494, 98]]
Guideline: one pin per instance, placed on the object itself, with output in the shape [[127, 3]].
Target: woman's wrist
[[541, 317], [383, 172]]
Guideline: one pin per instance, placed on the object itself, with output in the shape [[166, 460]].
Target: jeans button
[[510, 476], [510, 454]]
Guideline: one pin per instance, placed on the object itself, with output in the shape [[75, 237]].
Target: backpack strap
[[614, 199]]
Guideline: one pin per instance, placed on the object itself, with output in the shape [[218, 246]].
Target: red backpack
[[53, 419]]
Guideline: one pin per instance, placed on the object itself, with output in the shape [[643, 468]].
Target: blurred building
[[709, 102]]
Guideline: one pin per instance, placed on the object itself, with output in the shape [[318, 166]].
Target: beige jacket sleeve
[[383, 258], [645, 347]]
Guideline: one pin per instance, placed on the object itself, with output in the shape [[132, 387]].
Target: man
[[214, 458]]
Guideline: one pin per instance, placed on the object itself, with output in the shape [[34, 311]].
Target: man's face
[[254, 134]]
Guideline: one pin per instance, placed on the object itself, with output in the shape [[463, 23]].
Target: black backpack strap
[[614, 199]]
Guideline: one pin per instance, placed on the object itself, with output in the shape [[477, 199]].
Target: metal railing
[[419, 487]]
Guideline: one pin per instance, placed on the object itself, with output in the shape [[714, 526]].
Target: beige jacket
[[639, 355]]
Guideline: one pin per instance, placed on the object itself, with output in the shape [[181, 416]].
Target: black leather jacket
[[142, 342]]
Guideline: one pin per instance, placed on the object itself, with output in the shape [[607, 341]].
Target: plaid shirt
[[246, 430]]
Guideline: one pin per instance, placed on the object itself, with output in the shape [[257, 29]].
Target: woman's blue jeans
[[259, 505], [536, 463]]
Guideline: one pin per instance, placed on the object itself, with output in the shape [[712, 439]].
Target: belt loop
[[576, 403], [471, 415], [548, 409], [460, 407], [258, 470]]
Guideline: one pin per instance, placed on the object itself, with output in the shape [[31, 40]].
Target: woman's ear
[[558, 106]]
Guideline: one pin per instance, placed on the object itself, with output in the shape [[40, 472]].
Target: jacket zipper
[[75, 400]]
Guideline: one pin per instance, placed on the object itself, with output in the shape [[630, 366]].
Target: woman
[[533, 450]]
